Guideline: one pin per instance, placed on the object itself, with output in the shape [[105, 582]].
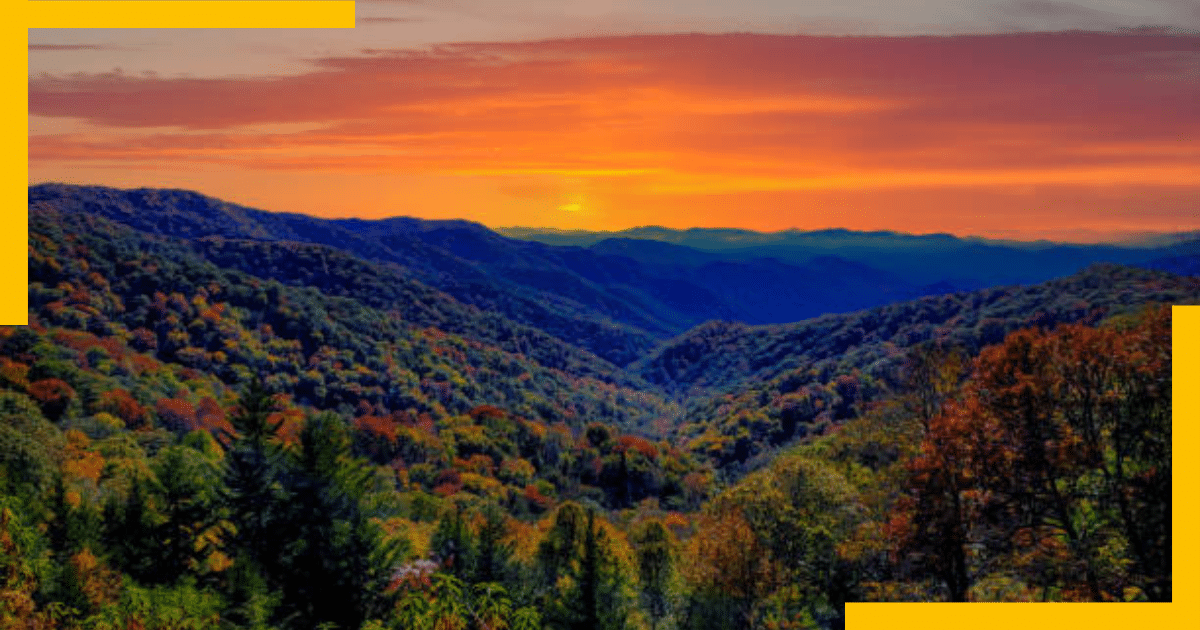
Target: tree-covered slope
[[221, 419], [608, 325], [748, 391], [89, 274], [616, 299], [724, 355]]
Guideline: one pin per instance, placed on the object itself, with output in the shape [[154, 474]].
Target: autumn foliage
[[1051, 468], [257, 433]]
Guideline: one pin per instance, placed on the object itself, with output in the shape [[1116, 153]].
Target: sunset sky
[[1027, 119]]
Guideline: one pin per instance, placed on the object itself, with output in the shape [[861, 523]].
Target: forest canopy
[[208, 432]]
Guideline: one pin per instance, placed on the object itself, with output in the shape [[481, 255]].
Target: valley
[[215, 407]]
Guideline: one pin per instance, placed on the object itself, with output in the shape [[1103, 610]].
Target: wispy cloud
[[679, 114], [1098, 15], [388, 20], [67, 47]]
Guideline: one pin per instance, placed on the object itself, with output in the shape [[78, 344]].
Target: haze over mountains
[[616, 294], [961, 262]]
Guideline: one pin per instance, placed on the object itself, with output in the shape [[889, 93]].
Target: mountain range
[[959, 262], [613, 295], [403, 393], [664, 323]]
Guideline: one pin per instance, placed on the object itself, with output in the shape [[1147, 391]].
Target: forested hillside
[[747, 390], [615, 302], [220, 417]]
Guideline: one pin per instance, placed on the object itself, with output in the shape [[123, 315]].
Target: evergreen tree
[[254, 467], [189, 487], [129, 531], [73, 527], [560, 546], [577, 549], [588, 582], [653, 547], [453, 545], [24, 567], [342, 563], [255, 499], [493, 553]]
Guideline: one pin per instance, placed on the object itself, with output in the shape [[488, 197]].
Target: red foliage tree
[[53, 395], [122, 404], [176, 414]]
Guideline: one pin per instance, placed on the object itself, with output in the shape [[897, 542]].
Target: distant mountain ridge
[[1187, 265], [444, 315], [964, 262], [616, 299]]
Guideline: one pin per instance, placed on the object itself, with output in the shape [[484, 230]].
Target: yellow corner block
[[24, 15], [1182, 612], [190, 14]]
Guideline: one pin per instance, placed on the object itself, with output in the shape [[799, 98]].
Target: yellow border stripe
[[14, 107], [14, 171], [1185, 464], [1182, 612], [191, 14]]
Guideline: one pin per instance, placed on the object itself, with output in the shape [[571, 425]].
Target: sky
[[1015, 119]]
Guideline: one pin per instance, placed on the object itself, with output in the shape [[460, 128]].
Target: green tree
[[190, 488], [493, 552], [449, 609], [24, 568], [75, 524], [72, 529], [526, 618], [253, 467], [454, 545], [583, 580], [29, 445], [341, 563], [130, 532], [652, 544], [492, 608], [256, 501]]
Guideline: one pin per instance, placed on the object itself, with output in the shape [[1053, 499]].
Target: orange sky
[[1062, 135]]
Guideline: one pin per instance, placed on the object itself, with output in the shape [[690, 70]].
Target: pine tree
[[342, 564], [653, 548], [129, 532], [588, 582], [73, 526], [254, 468], [255, 499], [576, 548], [493, 553], [453, 545], [189, 488]]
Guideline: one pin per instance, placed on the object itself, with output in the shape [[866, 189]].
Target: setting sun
[[969, 133]]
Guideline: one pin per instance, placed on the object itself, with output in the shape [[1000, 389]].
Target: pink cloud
[[66, 47], [754, 106]]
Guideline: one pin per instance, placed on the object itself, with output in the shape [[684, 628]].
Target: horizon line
[[1115, 237]]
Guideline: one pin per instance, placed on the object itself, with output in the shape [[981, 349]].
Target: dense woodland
[[202, 429]]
